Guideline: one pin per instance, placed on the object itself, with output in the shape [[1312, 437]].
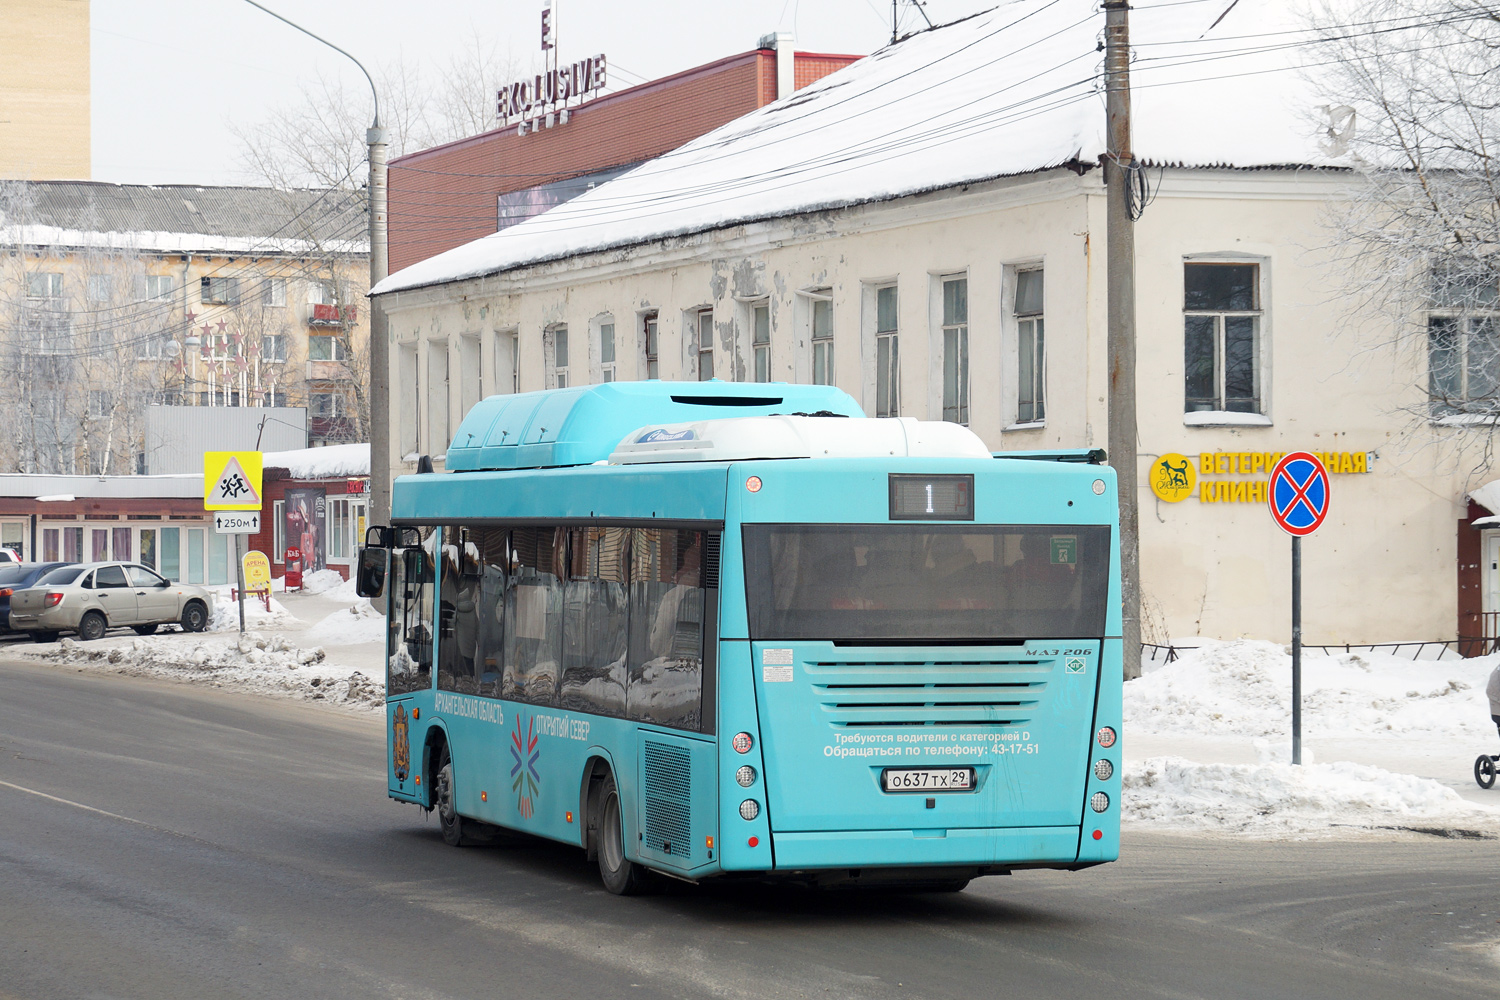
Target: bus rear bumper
[[1002, 847]]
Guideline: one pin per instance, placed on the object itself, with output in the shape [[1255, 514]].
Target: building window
[[101, 288], [101, 402], [273, 347], [323, 347], [322, 292], [278, 528], [275, 397], [153, 348], [887, 354], [44, 286], [650, 331], [274, 292], [470, 373], [219, 291], [338, 529], [1031, 366], [407, 401], [438, 394], [325, 403], [1463, 341], [703, 340], [156, 286], [607, 351], [101, 340], [956, 349], [560, 356], [1221, 342], [508, 361], [760, 339], [822, 336]]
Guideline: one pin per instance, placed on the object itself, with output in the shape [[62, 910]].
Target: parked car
[[92, 598], [7, 556], [18, 576]]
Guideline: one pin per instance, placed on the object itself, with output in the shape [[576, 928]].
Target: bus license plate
[[928, 779]]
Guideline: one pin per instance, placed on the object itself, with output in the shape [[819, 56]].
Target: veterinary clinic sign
[[1176, 477]]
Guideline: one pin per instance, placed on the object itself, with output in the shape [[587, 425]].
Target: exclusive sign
[[544, 92]]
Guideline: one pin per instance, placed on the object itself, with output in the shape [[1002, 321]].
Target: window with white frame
[[273, 347], [1031, 348], [407, 393], [820, 305], [338, 528], [887, 353], [326, 403], [1463, 339], [651, 338], [154, 347], [1221, 337], [273, 292], [703, 343], [101, 339], [101, 402], [607, 351], [558, 335], [156, 287], [760, 339], [215, 291], [326, 347], [508, 361], [278, 526], [44, 286], [956, 348], [101, 287], [470, 375], [438, 389]]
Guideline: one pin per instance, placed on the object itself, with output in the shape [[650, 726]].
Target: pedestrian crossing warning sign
[[231, 480]]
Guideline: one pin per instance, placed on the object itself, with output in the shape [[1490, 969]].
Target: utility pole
[[377, 139], [1120, 254]]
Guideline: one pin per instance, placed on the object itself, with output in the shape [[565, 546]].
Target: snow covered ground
[[324, 644], [1388, 744]]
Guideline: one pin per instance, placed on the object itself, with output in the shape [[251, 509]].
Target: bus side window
[[458, 612], [534, 614], [410, 653], [666, 627], [596, 618]]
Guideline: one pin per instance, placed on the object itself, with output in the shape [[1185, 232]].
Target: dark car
[[19, 576]]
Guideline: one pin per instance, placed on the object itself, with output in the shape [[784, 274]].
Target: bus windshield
[[908, 582]]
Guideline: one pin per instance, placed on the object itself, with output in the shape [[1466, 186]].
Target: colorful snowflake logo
[[526, 782]]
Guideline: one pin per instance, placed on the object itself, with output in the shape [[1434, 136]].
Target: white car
[[92, 598], [7, 556]]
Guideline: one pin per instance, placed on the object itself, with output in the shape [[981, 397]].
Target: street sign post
[[1298, 494], [233, 522], [232, 481]]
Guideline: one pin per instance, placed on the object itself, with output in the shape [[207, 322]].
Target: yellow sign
[[1258, 464], [231, 480], [1172, 477], [257, 571]]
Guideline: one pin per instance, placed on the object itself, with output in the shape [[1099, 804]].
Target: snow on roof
[[1011, 91], [1487, 496], [64, 489], [332, 462]]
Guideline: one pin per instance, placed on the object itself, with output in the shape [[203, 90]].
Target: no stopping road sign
[[1298, 493]]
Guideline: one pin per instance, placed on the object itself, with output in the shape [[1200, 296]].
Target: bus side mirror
[[406, 537], [370, 579], [378, 536]]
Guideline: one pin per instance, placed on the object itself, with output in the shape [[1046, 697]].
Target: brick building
[[446, 196]]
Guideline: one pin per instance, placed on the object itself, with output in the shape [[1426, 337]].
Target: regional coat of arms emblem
[[401, 744]]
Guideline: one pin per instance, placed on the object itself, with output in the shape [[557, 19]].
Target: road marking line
[[77, 805]]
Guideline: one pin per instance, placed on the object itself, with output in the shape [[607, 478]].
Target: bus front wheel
[[621, 876], [448, 817]]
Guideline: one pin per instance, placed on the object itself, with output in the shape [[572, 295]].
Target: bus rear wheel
[[620, 875]]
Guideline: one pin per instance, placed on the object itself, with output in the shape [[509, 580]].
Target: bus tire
[[620, 875], [445, 804], [92, 626]]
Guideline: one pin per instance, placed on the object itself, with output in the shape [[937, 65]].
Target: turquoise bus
[[717, 630]]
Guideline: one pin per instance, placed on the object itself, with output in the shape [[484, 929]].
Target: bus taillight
[[743, 742], [1106, 737]]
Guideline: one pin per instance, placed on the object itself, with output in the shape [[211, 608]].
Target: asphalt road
[[161, 840]]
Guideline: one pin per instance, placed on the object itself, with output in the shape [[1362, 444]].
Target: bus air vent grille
[[669, 791], [930, 692]]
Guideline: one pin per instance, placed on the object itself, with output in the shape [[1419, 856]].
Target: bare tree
[[1415, 111]]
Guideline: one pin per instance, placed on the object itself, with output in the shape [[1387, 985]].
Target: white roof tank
[[736, 439]]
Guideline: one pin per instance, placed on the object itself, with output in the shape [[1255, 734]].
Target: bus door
[[409, 590]]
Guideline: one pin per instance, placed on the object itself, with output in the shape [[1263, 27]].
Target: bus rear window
[[910, 582]]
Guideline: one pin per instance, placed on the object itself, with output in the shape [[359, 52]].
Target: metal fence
[[1463, 646]]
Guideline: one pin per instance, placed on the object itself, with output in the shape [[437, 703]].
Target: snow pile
[[322, 463], [226, 614], [360, 622], [1244, 688], [329, 583], [1277, 800], [268, 665]]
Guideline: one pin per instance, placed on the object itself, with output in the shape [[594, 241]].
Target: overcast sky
[[170, 75]]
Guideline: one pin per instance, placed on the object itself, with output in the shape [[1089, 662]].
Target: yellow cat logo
[[1172, 477]]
